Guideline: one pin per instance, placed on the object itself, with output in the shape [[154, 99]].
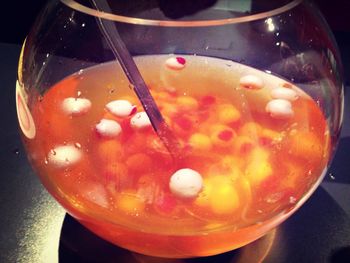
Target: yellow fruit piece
[[251, 129], [224, 198], [130, 203], [258, 154], [219, 195], [200, 141], [257, 171], [258, 167], [187, 103], [228, 113]]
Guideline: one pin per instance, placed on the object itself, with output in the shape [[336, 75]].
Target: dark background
[[18, 16]]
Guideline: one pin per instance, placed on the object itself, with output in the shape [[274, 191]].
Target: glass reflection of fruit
[[253, 96]]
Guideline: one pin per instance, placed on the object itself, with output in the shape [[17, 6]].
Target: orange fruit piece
[[219, 194], [258, 168], [306, 145], [109, 151], [130, 203], [251, 129], [187, 103], [228, 114], [139, 163], [200, 141]]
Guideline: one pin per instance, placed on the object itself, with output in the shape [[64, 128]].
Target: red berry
[[183, 122], [225, 135], [181, 60]]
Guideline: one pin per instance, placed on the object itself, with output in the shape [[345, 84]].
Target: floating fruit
[[186, 183]]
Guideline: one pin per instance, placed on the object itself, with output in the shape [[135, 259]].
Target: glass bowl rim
[[170, 23]]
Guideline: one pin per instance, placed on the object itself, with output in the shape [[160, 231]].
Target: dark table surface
[[34, 228]]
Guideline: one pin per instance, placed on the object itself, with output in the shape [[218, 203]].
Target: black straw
[[139, 86]]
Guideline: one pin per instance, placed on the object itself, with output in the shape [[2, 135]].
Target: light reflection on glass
[[270, 25]]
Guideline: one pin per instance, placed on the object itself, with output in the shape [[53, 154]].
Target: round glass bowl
[[251, 93]]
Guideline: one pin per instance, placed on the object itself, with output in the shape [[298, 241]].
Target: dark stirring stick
[[139, 86]]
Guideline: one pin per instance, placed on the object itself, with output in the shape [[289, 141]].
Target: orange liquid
[[255, 168]]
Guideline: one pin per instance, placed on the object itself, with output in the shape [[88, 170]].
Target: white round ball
[[140, 120], [64, 156], [173, 63], [76, 106], [120, 108], [186, 183], [284, 93], [251, 82], [280, 109], [108, 128]]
